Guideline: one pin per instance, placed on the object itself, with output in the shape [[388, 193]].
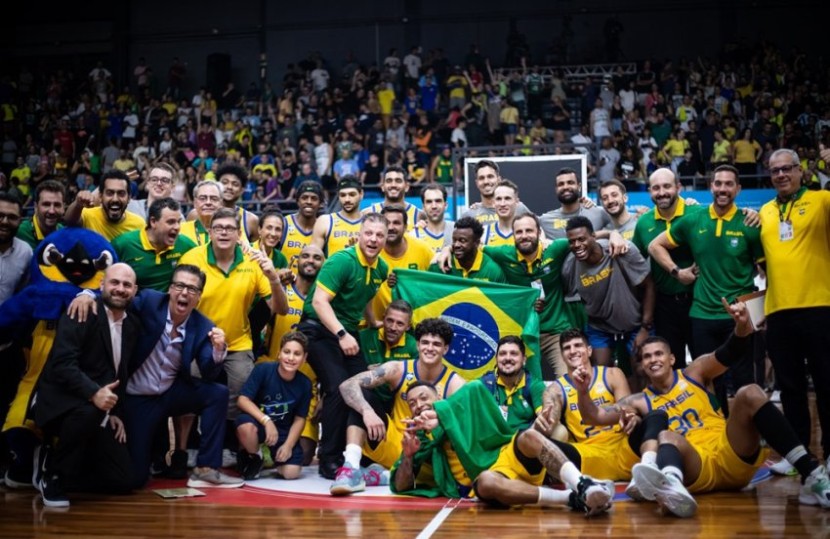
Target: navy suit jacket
[[152, 307]]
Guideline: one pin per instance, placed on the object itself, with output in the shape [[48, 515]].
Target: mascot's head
[[73, 255]]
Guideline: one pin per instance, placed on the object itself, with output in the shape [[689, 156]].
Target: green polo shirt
[[376, 351], [152, 269], [483, 269], [520, 413], [725, 250], [546, 267], [652, 224], [352, 282], [30, 232]]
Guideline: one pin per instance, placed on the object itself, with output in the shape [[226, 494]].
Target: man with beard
[[78, 395], [618, 293], [375, 425], [50, 200], [487, 179], [528, 263], [569, 194], [400, 252], [334, 308], [435, 227], [394, 187], [207, 198], [160, 180], [673, 298], [154, 251], [518, 394], [467, 260], [702, 451], [299, 226], [111, 218], [724, 250], [506, 201], [15, 254], [614, 200], [309, 262], [334, 232], [391, 341]]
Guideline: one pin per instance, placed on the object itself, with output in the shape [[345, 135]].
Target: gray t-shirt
[[486, 215], [627, 228], [554, 221], [606, 289]]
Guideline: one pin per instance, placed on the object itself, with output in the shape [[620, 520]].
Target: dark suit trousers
[[332, 367], [143, 414], [86, 455]]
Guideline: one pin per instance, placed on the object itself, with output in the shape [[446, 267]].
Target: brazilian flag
[[480, 313]]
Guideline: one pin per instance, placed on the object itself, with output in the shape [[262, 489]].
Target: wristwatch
[[674, 271], [341, 333]]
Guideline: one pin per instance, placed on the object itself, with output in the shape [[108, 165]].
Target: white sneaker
[[816, 489], [228, 458], [633, 491], [783, 467], [667, 489], [775, 397]]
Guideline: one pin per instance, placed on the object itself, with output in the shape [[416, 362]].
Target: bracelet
[[265, 419]]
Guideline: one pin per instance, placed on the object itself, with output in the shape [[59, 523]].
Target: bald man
[[79, 396]]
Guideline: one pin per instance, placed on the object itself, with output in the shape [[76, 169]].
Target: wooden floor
[[770, 511]]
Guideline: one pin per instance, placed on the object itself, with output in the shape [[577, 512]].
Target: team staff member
[[299, 226], [334, 232], [400, 252], [332, 314], [50, 200], [725, 251], [234, 280], [154, 251], [674, 298], [207, 198], [468, 260], [795, 233], [111, 218], [391, 341]]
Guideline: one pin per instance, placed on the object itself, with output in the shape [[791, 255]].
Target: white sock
[[570, 475], [551, 497], [352, 454], [675, 471], [649, 457]]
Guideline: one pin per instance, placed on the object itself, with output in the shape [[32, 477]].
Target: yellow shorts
[[388, 450], [311, 430], [509, 465], [721, 468], [611, 458]]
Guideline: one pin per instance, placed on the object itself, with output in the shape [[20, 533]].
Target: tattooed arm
[[352, 392], [551, 413]]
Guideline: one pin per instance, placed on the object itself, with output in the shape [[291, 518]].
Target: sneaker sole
[[17, 485], [598, 502], [651, 483], [634, 493], [345, 490], [641, 474], [811, 500], [54, 503], [198, 483]]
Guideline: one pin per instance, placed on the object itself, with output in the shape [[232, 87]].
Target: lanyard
[[786, 218]]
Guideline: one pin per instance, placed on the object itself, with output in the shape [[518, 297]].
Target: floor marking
[[438, 519]]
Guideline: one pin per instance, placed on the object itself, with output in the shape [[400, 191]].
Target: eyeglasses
[[156, 179], [226, 229], [786, 169], [181, 287], [10, 217]]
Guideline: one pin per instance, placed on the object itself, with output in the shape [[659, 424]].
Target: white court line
[[438, 519]]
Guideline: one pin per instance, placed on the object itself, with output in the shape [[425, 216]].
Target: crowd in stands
[[322, 123], [198, 297]]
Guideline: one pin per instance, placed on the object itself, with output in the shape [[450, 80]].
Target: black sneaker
[[243, 458], [328, 470], [39, 464], [177, 469], [52, 492], [253, 468]]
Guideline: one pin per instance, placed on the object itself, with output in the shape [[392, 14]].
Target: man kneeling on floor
[[449, 442]]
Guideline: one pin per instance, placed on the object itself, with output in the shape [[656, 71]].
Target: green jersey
[[153, 269]]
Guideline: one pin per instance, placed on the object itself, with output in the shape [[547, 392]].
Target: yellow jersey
[[494, 236], [601, 394], [418, 255], [95, 219], [434, 241], [340, 232], [693, 411], [413, 213], [294, 239]]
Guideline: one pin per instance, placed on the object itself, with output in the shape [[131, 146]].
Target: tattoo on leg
[[552, 458]]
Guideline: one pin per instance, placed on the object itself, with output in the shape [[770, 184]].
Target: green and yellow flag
[[480, 313]]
